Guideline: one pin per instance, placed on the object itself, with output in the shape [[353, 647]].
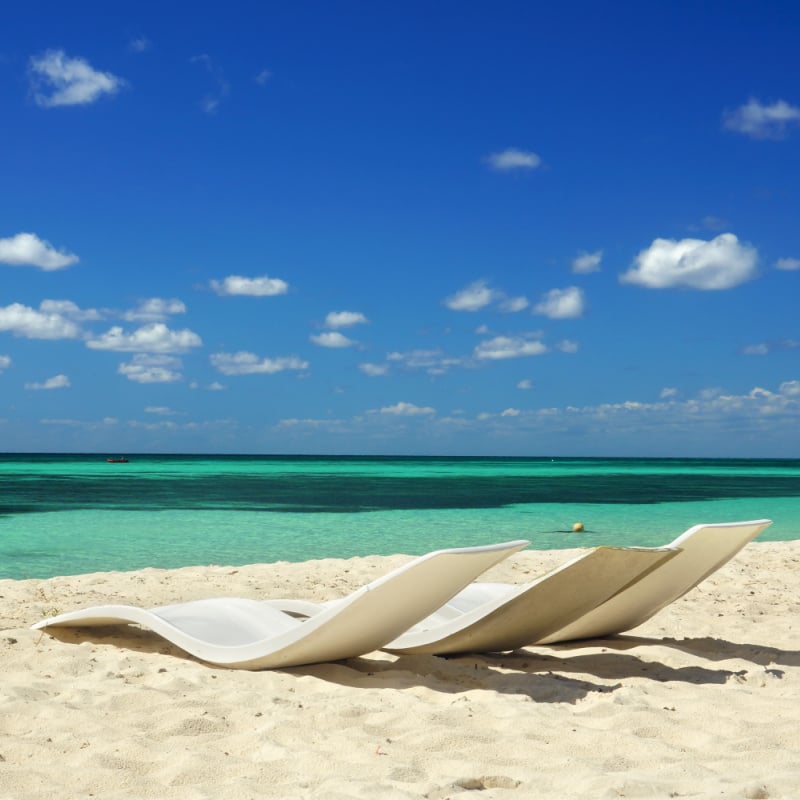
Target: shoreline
[[697, 701]]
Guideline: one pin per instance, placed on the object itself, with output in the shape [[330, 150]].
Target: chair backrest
[[380, 611], [704, 549]]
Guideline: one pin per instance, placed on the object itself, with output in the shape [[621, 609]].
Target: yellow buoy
[[577, 527]]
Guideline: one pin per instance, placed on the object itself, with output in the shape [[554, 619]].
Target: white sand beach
[[701, 701]]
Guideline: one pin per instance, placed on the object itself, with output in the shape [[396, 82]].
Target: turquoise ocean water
[[69, 514]]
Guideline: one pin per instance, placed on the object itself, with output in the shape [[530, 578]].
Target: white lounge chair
[[490, 617], [249, 634], [703, 550]]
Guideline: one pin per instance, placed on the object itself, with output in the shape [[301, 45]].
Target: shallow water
[[68, 514]]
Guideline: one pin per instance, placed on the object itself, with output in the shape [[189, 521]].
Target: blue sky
[[421, 228]]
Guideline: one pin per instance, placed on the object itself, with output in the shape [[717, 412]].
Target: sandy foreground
[[702, 701]]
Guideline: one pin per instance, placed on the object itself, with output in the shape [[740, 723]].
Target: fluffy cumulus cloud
[[788, 264], [472, 298], [32, 324], [762, 121], [250, 287], [56, 382], [513, 159], [587, 262], [721, 263], [402, 409], [502, 347], [28, 250], [154, 309], [332, 339], [66, 308], [153, 338], [344, 319], [5, 362], [146, 368], [243, 363], [566, 303], [511, 305], [61, 81]]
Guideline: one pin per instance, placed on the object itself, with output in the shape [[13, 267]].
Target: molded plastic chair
[[249, 634], [490, 617], [704, 549]]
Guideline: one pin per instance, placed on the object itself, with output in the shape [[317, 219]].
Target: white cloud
[[66, 308], [243, 363], [216, 386], [790, 388], [763, 348], [788, 264], [511, 305], [587, 262], [567, 346], [28, 250], [374, 370], [139, 45], [5, 362], [56, 382], [154, 309], [510, 412], [512, 159], [434, 362], [145, 368], [61, 81], [668, 391], [472, 298], [153, 338], [344, 319], [263, 77], [509, 347], [332, 339], [27, 322], [163, 411], [210, 102], [721, 263], [561, 303], [760, 121], [250, 287], [407, 410], [525, 384]]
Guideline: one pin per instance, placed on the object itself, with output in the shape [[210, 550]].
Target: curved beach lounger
[[704, 549], [249, 634], [490, 617]]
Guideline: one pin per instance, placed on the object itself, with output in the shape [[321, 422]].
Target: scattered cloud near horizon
[[244, 363], [344, 319], [56, 382], [153, 338], [332, 339], [149, 368]]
